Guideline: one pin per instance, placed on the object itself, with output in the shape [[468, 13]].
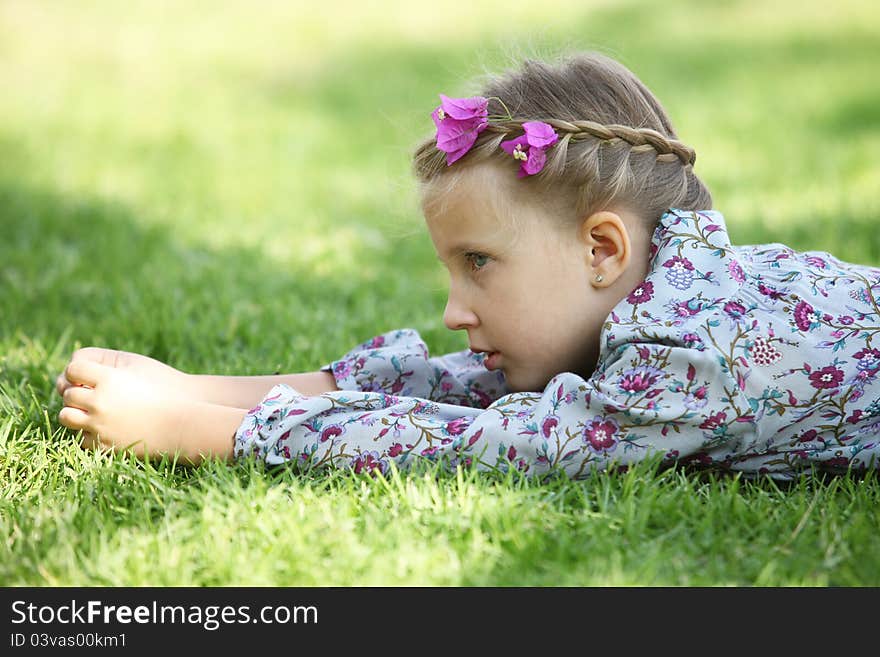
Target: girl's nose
[[458, 316]]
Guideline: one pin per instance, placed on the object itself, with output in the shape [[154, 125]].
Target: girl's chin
[[515, 384]]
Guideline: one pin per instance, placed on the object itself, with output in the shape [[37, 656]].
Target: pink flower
[[767, 291], [458, 425], [548, 424], [644, 292], [714, 420], [736, 272], [331, 432], [529, 148], [638, 379], [341, 370], [459, 121], [827, 377], [808, 436], [678, 262], [805, 317], [369, 462], [601, 434], [734, 310], [869, 359]]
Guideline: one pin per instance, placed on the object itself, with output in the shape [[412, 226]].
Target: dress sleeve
[[651, 400], [397, 363]]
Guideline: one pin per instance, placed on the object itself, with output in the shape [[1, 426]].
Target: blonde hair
[[616, 147]]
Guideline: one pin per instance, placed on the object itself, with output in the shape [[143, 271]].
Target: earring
[[599, 278]]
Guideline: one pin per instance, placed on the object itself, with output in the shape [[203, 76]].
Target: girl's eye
[[478, 261]]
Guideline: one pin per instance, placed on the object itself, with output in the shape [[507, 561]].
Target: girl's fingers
[[109, 357], [73, 418], [83, 372], [79, 397], [61, 384]]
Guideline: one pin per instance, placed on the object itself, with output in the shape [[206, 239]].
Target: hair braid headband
[[460, 120]]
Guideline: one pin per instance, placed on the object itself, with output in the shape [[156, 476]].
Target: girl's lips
[[491, 361]]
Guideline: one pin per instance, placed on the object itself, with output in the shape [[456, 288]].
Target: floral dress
[[757, 359]]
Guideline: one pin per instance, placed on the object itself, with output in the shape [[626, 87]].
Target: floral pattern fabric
[[756, 358]]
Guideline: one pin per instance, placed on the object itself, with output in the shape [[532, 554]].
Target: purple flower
[[638, 379], [768, 291], [697, 399], [679, 272], [601, 434], [736, 272], [805, 316], [692, 340], [808, 436], [643, 293], [369, 462], [529, 148], [687, 308], [331, 432], [342, 370], [459, 121], [714, 420], [679, 263], [548, 424], [734, 309], [869, 359], [827, 377], [458, 425]]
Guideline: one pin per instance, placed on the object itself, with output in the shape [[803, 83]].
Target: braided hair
[[616, 147]]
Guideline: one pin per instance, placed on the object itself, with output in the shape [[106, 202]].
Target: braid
[[641, 139], [597, 162]]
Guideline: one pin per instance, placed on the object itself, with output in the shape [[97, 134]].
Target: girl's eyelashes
[[477, 261]]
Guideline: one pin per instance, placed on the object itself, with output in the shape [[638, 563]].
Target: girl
[[609, 319]]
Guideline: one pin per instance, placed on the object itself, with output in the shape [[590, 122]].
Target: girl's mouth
[[492, 359]]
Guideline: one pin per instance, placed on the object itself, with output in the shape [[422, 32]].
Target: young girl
[[609, 319]]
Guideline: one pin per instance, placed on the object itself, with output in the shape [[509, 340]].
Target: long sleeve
[[637, 406], [398, 363]]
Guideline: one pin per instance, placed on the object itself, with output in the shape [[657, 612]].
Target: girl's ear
[[608, 246]]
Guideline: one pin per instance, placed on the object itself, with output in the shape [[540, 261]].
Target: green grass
[[231, 193]]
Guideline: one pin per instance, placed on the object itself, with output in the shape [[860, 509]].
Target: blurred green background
[[226, 186]]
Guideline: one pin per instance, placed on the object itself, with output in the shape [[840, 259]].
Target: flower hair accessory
[[460, 120], [530, 147]]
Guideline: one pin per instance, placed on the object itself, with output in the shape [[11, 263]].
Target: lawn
[[230, 192]]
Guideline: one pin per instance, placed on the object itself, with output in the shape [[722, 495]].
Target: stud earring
[[599, 278]]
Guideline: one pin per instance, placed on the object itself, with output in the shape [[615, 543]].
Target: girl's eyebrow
[[462, 248]]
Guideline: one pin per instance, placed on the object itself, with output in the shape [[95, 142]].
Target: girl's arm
[[398, 363], [247, 391], [574, 426], [234, 391]]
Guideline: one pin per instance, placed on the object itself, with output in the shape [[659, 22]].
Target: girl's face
[[519, 284]]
